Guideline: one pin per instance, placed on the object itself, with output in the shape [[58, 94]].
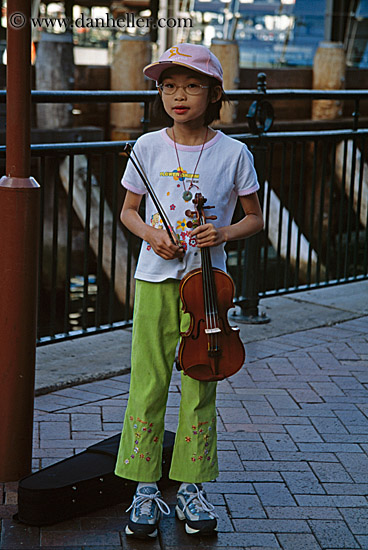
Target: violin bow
[[129, 151]]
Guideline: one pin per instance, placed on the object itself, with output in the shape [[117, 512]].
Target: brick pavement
[[293, 450]]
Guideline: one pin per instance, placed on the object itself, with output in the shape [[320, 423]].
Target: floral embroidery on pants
[[143, 438], [201, 434]]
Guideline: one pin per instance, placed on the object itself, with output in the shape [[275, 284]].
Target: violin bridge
[[212, 330]]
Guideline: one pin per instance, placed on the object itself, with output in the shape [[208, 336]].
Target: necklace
[[187, 195]]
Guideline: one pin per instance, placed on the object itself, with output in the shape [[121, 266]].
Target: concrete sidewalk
[[293, 432]]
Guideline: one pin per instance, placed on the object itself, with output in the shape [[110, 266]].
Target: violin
[[210, 349]]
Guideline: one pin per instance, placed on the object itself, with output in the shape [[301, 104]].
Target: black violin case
[[81, 484]]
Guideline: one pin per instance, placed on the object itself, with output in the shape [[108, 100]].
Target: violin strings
[[209, 293]]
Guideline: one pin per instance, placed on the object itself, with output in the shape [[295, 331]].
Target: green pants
[[157, 322]]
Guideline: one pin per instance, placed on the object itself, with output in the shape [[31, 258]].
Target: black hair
[[212, 112]]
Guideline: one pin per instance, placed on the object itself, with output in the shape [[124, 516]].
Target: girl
[[187, 157]]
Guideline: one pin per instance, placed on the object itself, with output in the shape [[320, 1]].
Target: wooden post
[[329, 69], [131, 56], [227, 51], [55, 71]]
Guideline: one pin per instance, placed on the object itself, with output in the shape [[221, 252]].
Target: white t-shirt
[[225, 170]]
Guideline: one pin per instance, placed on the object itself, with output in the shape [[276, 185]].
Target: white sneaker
[[146, 510], [193, 507]]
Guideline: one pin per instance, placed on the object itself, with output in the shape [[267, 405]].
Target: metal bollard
[[260, 119]]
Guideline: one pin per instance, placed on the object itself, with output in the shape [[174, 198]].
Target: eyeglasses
[[190, 89]]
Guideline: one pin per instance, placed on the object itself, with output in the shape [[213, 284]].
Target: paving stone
[[346, 501], [229, 460], [329, 447], [325, 389], [172, 534], [362, 376], [304, 433], [238, 436], [352, 418], [242, 506], [304, 395], [347, 383], [330, 472], [7, 511], [329, 425], [273, 465], [255, 408], [342, 351], [14, 535], [223, 445], [264, 541], [282, 402], [43, 453], [271, 526], [356, 465], [317, 410], [271, 494], [51, 403], [279, 442], [324, 359], [73, 538], [302, 512], [79, 394], [86, 422], [232, 415], [40, 416], [103, 388], [252, 450], [363, 541], [345, 438], [249, 476], [59, 430], [357, 520], [218, 487], [346, 488], [255, 427], [296, 541], [303, 483], [112, 414], [333, 533], [224, 523], [292, 420], [305, 457]]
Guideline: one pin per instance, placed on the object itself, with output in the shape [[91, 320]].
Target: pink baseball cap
[[193, 56]]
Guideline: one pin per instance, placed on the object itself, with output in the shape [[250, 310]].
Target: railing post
[[260, 118], [19, 227]]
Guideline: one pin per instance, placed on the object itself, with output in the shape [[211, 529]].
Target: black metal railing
[[314, 192]]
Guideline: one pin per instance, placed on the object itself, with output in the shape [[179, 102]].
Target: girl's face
[[181, 106]]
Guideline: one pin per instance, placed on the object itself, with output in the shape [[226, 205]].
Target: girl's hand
[[162, 245], [208, 235]]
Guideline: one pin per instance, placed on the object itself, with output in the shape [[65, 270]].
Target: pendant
[[187, 195]]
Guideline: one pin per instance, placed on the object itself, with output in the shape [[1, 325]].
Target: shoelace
[[201, 503], [145, 503]]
